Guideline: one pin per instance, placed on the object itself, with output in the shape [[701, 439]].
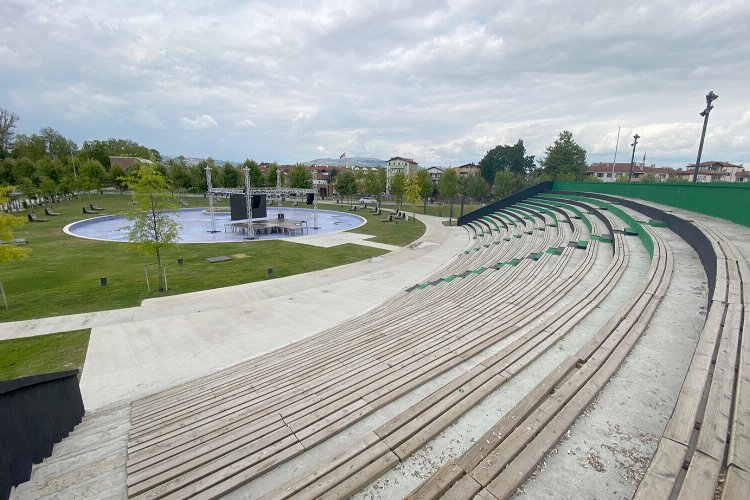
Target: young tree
[[503, 186], [256, 175], [565, 157], [346, 184], [425, 187], [375, 184], [300, 177], [413, 194], [48, 189], [29, 190], [448, 188], [152, 229], [117, 177], [398, 188], [476, 186], [9, 252], [92, 175], [230, 177], [271, 175]]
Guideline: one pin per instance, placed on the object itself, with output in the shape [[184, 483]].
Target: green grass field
[[43, 354], [62, 274]]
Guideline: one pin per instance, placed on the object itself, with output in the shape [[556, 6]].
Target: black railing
[[35, 413]]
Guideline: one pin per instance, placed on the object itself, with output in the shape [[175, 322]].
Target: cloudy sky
[[440, 82]]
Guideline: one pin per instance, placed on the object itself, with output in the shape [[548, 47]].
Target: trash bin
[[104, 280], [269, 272], [179, 261]]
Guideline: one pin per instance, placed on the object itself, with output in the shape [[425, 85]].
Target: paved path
[[139, 350]]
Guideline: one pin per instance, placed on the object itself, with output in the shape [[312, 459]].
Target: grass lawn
[[62, 274], [43, 354]]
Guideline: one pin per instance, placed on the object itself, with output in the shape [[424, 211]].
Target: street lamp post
[[710, 97], [632, 158]]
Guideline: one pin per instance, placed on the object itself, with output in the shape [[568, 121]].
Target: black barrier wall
[[505, 202], [35, 413]]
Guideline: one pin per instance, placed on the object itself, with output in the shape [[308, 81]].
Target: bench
[[34, 218]]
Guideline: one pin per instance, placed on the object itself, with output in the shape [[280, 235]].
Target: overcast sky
[[439, 82]]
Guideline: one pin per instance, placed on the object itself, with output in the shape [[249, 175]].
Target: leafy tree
[[152, 229], [48, 189], [230, 177], [503, 185], [29, 190], [7, 132], [117, 177], [9, 252], [300, 177], [425, 187], [448, 188], [476, 186], [398, 188], [622, 179], [32, 147], [565, 157], [513, 158], [92, 175], [649, 178], [463, 190], [256, 175], [413, 194], [271, 175], [346, 184], [375, 181]]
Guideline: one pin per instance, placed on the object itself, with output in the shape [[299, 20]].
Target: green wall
[[729, 201]]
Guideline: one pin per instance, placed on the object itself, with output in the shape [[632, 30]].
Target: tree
[[476, 186], [92, 175], [565, 157], [29, 191], [7, 132], [117, 177], [448, 188], [8, 251], [398, 188], [676, 178], [102, 150], [413, 193], [503, 185], [300, 177], [230, 177], [48, 189], [506, 157], [256, 176], [375, 181], [346, 184], [152, 229], [425, 187], [649, 178]]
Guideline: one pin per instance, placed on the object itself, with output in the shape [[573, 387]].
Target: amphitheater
[[578, 345]]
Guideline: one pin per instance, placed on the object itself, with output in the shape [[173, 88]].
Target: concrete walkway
[[136, 351]]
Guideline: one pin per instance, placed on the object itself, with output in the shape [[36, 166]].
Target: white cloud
[[199, 123], [248, 123]]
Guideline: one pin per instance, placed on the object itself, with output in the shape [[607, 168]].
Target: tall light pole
[[632, 158], [614, 162], [710, 97]]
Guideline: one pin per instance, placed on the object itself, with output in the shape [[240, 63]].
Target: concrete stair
[[89, 463]]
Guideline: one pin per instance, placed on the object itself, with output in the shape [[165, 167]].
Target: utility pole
[[614, 162], [710, 97], [632, 158]]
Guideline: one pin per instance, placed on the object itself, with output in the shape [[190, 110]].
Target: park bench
[[50, 212], [34, 218]]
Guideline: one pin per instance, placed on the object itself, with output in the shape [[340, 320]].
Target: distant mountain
[[354, 161]]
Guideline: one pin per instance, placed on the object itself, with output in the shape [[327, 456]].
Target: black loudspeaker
[[255, 201], [310, 198]]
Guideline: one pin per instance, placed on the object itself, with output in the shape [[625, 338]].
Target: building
[[468, 169], [435, 174], [609, 172], [126, 161], [407, 166], [715, 171]]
